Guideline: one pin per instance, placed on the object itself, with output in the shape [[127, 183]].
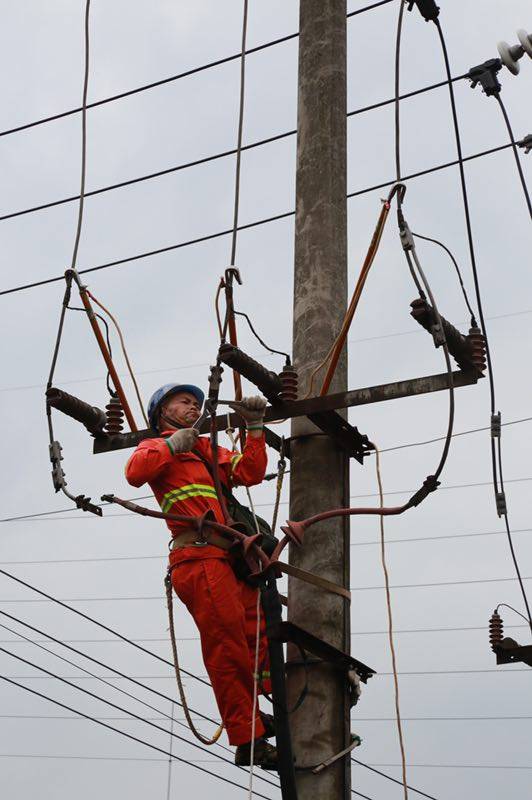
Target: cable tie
[[496, 425]]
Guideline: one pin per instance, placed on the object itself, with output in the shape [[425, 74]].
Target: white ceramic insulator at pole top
[[509, 56], [525, 40]]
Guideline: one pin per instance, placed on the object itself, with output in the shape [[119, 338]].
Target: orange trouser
[[225, 612]]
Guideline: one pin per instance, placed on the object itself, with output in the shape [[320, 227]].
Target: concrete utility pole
[[319, 476]]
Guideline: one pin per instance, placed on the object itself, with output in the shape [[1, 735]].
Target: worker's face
[[183, 408]]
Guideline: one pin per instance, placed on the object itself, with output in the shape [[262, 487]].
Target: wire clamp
[[526, 143], [496, 425], [500, 501], [427, 8], [58, 475], [486, 75]]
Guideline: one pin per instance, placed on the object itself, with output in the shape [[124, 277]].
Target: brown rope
[[190, 722]]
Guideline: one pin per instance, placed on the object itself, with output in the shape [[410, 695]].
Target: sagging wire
[[458, 272], [261, 341], [390, 623], [496, 457], [105, 324], [124, 351]]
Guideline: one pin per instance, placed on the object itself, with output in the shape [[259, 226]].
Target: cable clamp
[[430, 484], [438, 335], [526, 143], [500, 501], [486, 75], [58, 475], [427, 8], [496, 425], [405, 234], [84, 503]]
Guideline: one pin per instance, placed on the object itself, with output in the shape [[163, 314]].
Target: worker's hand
[[251, 409], [183, 440]]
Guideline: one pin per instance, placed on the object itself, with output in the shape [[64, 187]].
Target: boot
[[265, 754], [269, 725]]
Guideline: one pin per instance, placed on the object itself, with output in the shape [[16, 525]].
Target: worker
[[224, 607]]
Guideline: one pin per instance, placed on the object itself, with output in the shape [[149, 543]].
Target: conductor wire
[[515, 152]]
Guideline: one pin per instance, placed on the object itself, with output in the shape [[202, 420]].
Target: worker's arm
[[247, 468], [148, 461]]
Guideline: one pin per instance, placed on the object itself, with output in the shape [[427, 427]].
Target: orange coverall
[[223, 607]]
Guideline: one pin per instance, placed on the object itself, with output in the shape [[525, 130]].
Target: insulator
[[264, 379], [496, 630], [477, 344], [115, 416], [289, 381]]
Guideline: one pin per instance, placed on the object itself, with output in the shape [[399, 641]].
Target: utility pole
[[319, 477]]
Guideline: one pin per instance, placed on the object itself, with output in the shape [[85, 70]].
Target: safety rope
[[390, 623], [188, 717], [254, 704]]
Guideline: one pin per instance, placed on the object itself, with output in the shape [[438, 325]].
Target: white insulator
[[525, 39], [510, 55]]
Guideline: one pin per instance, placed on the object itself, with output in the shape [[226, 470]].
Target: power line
[[353, 544], [146, 598], [208, 159], [127, 735], [266, 505], [463, 628], [415, 332], [178, 76], [412, 673], [247, 226]]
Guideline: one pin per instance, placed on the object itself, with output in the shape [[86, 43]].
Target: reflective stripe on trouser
[[184, 492], [224, 610]]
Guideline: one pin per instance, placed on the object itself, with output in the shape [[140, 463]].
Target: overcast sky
[[165, 306]]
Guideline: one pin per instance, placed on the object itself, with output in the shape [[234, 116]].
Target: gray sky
[[165, 306]]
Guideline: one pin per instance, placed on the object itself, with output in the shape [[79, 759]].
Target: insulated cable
[[458, 272], [496, 457], [514, 149]]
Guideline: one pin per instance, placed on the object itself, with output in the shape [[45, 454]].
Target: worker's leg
[[210, 591], [249, 602]]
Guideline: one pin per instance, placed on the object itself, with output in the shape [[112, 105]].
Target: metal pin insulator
[[289, 381], [477, 344], [114, 414], [496, 630]]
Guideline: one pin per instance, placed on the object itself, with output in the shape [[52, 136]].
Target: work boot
[[264, 754], [269, 725]]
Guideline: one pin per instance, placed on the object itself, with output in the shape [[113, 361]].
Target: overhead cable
[[249, 225], [178, 76], [208, 159], [127, 735]]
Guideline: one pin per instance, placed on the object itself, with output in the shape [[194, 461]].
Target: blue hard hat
[[164, 392]]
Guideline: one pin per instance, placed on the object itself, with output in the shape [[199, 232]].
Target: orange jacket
[[182, 483]]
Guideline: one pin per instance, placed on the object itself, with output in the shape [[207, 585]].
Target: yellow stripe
[[184, 492], [234, 461]]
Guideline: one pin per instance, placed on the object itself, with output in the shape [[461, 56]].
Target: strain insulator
[[114, 414], [496, 630], [289, 381], [477, 344]]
